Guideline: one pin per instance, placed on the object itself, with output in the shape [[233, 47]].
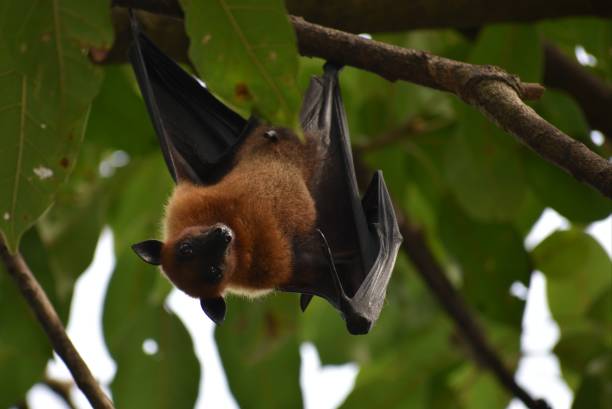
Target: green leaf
[[577, 270], [557, 189], [580, 347], [483, 164], [47, 85], [134, 310], [515, 48], [483, 169], [478, 390], [246, 52], [492, 257], [560, 109], [119, 118], [258, 345], [24, 347], [71, 228], [395, 379], [594, 392], [168, 378]]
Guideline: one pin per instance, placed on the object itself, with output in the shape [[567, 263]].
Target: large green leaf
[[71, 228], [595, 391], [577, 270], [119, 118], [561, 191], [167, 378], [483, 164], [258, 345], [246, 52], [47, 85], [516, 48], [491, 257], [483, 169], [134, 310], [395, 379]]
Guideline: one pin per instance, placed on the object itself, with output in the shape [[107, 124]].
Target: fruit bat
[[257, 208]]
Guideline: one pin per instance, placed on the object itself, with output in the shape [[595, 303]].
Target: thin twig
[[593, 95], [62, 390], [51, 323]]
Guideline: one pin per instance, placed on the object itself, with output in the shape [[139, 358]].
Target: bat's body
[[265, 219], [257, 209]]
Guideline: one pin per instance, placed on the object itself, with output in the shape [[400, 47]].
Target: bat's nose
[[224, 232]]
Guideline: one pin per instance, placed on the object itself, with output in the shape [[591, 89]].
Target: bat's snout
[[224, 233]]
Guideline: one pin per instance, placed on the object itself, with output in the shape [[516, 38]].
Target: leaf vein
[[252, 55]]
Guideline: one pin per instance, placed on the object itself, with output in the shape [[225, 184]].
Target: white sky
[[323, 387]]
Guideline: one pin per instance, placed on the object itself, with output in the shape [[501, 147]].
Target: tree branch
[[62, 390], [493, 91], [415, 246], [592, 94], [358, 16], [51, 323], [418, 251]]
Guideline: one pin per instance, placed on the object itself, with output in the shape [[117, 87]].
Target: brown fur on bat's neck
[[264, 199]]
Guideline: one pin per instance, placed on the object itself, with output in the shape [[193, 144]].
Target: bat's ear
[[149, 251], [304, 301], [214, 308]]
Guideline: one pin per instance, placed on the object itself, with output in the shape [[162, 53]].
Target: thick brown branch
[[358, 16], [51, 323], [493, 91], [502, 105], [415, 246], [592, 94]]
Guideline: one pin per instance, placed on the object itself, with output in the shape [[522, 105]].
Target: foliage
[[474, 189]]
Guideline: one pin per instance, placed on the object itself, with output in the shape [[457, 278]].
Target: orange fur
[[264, 199]]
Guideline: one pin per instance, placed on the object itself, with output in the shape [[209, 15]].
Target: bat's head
[[200, 261]]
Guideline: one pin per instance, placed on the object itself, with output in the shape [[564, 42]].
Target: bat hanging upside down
[[257, 209]]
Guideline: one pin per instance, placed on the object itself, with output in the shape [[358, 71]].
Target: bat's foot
[[358, 325]]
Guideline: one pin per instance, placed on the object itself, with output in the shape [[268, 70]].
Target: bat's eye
[[185, 249], [271, 134]]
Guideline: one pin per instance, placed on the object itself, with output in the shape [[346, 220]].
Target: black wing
[[360, 237], [197, 133]]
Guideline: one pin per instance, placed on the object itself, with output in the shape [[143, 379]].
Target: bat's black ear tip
[[149, 251], [215, 308], [304, 301], [358, 325]]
